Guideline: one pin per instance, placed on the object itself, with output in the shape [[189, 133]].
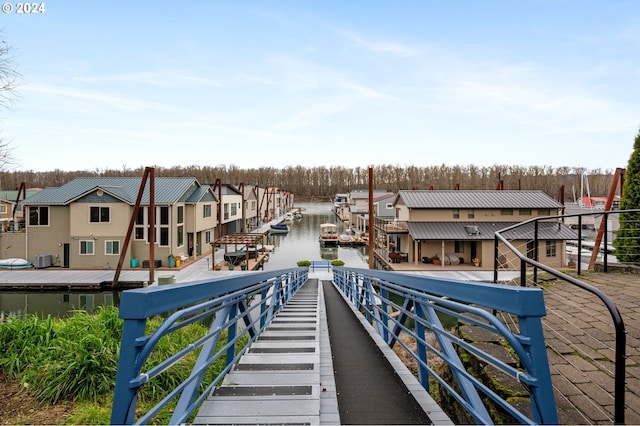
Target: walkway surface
[[306, 370], [581, 347]]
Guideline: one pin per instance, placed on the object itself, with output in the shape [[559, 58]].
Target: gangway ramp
[[279, 380]]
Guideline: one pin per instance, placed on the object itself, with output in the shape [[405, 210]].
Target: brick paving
[[581, 347]]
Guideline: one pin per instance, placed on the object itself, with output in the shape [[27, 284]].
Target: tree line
[[322, 183]]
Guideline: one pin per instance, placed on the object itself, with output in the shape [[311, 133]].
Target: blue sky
[[114, 84]]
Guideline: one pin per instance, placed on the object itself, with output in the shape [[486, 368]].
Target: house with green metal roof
[[83, 224], [454, 227]]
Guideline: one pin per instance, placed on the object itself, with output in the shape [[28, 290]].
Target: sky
[[128, 84]]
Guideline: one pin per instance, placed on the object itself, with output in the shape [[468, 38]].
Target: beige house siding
[[13, 244], [49, 239]]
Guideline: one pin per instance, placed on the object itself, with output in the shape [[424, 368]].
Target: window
[[180, 227], [506, 212], [39, 216], [180, 235], [163, 226], [99, 214], [471, 214], [551, 248], [207, 237], [544, 212], [112, 247], [164, 215], [225, 211], [234, 210], [389, 206], [456, 213], [459, 246], [86, 247], [206, 210], [164, 236], [139, 225], [525, 212], [3, 208]]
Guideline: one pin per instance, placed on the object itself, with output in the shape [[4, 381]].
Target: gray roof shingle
[[167, 190], [418, 199], [486, 231]]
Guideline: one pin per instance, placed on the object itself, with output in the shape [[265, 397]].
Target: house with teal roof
[[83, 224]]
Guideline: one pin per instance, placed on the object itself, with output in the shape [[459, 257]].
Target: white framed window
[[551, 248], [206, 210], [87, 247], [141, 218], [163, 226], [112, 247], [207, 237], [3, 208], [456, 213]]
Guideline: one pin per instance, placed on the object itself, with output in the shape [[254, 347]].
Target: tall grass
[[77, 359]]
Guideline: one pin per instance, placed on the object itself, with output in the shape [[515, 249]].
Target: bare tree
[[9, 81]]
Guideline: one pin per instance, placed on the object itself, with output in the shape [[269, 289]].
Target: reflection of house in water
[[56, 304], [328, 253]]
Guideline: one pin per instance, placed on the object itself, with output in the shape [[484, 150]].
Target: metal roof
[[486, 231], [168, 190], [534, 199], [363, 194]]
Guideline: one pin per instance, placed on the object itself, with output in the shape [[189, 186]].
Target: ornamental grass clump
[[80, 364], [21, 340], [76, 359]]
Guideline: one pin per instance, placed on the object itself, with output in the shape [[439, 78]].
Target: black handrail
[[621, 338]]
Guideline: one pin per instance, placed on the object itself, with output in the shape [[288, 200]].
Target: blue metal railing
[[242, 306], [389, 300]]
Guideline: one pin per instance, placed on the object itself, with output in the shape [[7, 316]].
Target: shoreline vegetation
[[63, 371], [322, 183]]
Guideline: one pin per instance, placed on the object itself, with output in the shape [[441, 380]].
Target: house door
[[65, 255], [190, 243], [474, 250], [198, 243]]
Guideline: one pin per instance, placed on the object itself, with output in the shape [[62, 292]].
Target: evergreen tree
[[627, 242]]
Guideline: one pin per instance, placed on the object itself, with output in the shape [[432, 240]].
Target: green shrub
[[337, 262], [304, 263]]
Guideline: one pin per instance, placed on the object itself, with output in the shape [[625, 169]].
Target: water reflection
[[56, 304], [301, 243]]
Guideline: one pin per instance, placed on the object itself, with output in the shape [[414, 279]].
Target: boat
[[280, 228], [328, 234], [15, 263]]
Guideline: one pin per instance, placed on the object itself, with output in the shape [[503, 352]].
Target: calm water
[[301, 243]]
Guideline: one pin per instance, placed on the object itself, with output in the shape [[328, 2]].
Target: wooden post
[[372, 233]]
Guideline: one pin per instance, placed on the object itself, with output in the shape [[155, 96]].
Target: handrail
[[620, 350], [376, 294], [242, 306]]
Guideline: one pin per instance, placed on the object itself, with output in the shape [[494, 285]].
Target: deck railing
[[398, 304], [235, 310], [531, 274]]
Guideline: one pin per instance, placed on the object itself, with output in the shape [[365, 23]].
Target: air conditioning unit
[[42, 261]]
